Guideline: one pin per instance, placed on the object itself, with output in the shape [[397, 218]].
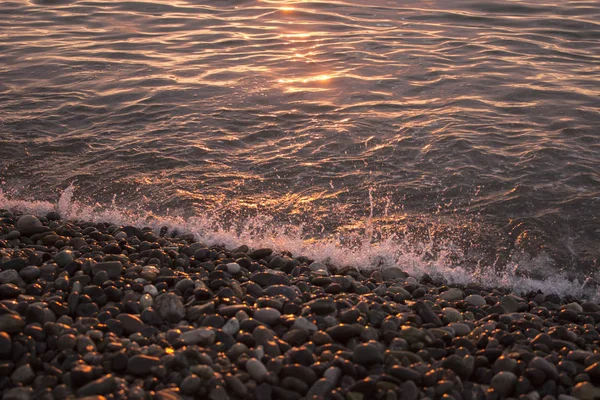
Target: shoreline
[[109, 311]]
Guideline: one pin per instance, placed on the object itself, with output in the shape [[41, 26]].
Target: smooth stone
[[105, 385], [458, 365], [476, 300], [232, 326], [64, 257], [24, 374], [112, 268], [11, 323], [393, 273], [200, 336], [322, 306], [16, 263], [265, 279], [333, 375], [191, 385], [170, 307], [141, 364], [320, 389], [343, 332], [10, 276], [28, 224], [303, 323], [585, 391], [267, 315], [459, 328], [260, 253], [282, 290], [427, 314], [544, 365], [510, 304], [81, 374], [452, 314], [18, 393], [367, 354], [452, 294], [5, 345], [504, 383], [411, 334], [130, 323], [256, 369], [233, 268]]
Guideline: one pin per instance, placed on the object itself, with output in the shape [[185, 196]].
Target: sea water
[[455, 138]]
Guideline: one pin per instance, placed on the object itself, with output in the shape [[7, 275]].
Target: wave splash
[[523, 273]]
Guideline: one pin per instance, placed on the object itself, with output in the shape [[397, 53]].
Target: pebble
[[367, 354], [267, 315], [170, 307], [130, 323], [141, 364], [11, 323], [28, 224], [504, 383], [452, 294], [256, 369], [476, 300], [121, 312], [200, 336], [104, 385]]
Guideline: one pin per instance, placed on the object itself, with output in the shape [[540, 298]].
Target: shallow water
[[451, 136]]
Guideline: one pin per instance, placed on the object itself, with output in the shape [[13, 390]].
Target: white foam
[[261, 231]]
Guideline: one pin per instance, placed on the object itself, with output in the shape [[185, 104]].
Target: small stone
[[232, 326], [5, 345], [233, 268], [191, 385], [476, 300], [11, 323], [267, 315], [260, 253], [10, 276], [170, 307], [24, 374], [427, 314], [322, 306], [510, 304], [367, 354], [544, 365], [200, 336], [112, 268], [282, 290], [256, 369], [265, 279], [504, 383], [452, 314], [29, 224], [130, 323], [585, 391], [105, 385], [81, 374], [458, 365], [18, 393], [141, 364], [411, 334], [303, 323], [452, 294], [391, 273], [64, 257], [320, 389]]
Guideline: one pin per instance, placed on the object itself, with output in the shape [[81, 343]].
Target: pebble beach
[[101, 311]]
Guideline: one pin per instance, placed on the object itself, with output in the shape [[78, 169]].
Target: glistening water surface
[[454, 137]]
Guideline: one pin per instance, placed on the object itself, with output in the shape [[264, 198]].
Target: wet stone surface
[[100, 311]]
